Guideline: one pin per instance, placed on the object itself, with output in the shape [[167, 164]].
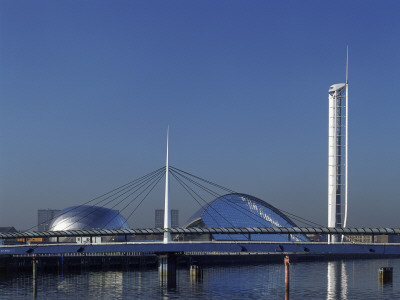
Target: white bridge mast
[[338, 155], [167, 221]]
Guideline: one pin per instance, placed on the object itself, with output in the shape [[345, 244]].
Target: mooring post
[[385, 275], [287, 273], [34, 267], [62, 264], [196, 272]]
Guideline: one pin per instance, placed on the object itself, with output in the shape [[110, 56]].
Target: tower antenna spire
[[167, 222], [347, 64]]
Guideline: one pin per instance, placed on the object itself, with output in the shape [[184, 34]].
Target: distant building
[[174, 218], [380, 239], [368, 239], [359, 239], [7, 229], [159, 218], [45, 216]]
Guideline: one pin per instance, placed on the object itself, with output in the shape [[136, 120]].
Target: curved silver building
[[241, 210], [88, 217]]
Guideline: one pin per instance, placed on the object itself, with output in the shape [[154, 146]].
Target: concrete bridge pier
[[167, 269]]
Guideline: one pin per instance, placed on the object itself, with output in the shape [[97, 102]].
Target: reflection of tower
[[337, 280], [338, 159]]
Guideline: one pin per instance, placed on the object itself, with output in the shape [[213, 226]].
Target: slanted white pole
[[167, 222]]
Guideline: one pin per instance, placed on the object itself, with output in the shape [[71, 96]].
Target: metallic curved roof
[[88, 217], [241, 210]]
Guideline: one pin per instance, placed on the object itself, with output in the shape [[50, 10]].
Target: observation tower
[[338, 158]]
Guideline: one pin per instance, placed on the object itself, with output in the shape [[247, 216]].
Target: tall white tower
[[338, 158]]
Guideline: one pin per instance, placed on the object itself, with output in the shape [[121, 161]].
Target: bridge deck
[[223, 230], [204, 247]]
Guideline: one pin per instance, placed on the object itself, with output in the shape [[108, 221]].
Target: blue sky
[[88, 89]]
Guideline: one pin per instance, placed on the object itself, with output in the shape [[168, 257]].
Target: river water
[[347, 279]]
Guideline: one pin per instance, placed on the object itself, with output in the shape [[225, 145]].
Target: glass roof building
[[88, 217], [241, 210]]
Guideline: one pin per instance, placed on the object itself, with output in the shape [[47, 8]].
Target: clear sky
[[88, 88]]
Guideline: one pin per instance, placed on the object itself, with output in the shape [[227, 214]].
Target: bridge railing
[[196, 230]]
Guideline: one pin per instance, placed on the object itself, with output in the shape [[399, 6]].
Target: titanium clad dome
[[88, 217], [241, 210]]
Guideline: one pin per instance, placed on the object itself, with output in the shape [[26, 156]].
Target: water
[[350, 279]]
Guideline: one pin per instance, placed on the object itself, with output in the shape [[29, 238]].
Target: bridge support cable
[[185, 175], [191, 192], [249, 214], [128, 186], [137, 187], [234, 205], [145, 185], [152, 185], [206, 181], [227, 201], [300, 219]]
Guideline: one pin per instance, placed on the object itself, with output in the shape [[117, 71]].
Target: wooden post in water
[[196, 272], [287, 273], [34, 268], [385, 275], [34, 282]]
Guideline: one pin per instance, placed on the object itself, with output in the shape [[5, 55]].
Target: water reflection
[[34, 285], [337, 280], [352, 279]]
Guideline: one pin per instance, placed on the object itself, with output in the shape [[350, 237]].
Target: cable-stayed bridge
[[129, 197]]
